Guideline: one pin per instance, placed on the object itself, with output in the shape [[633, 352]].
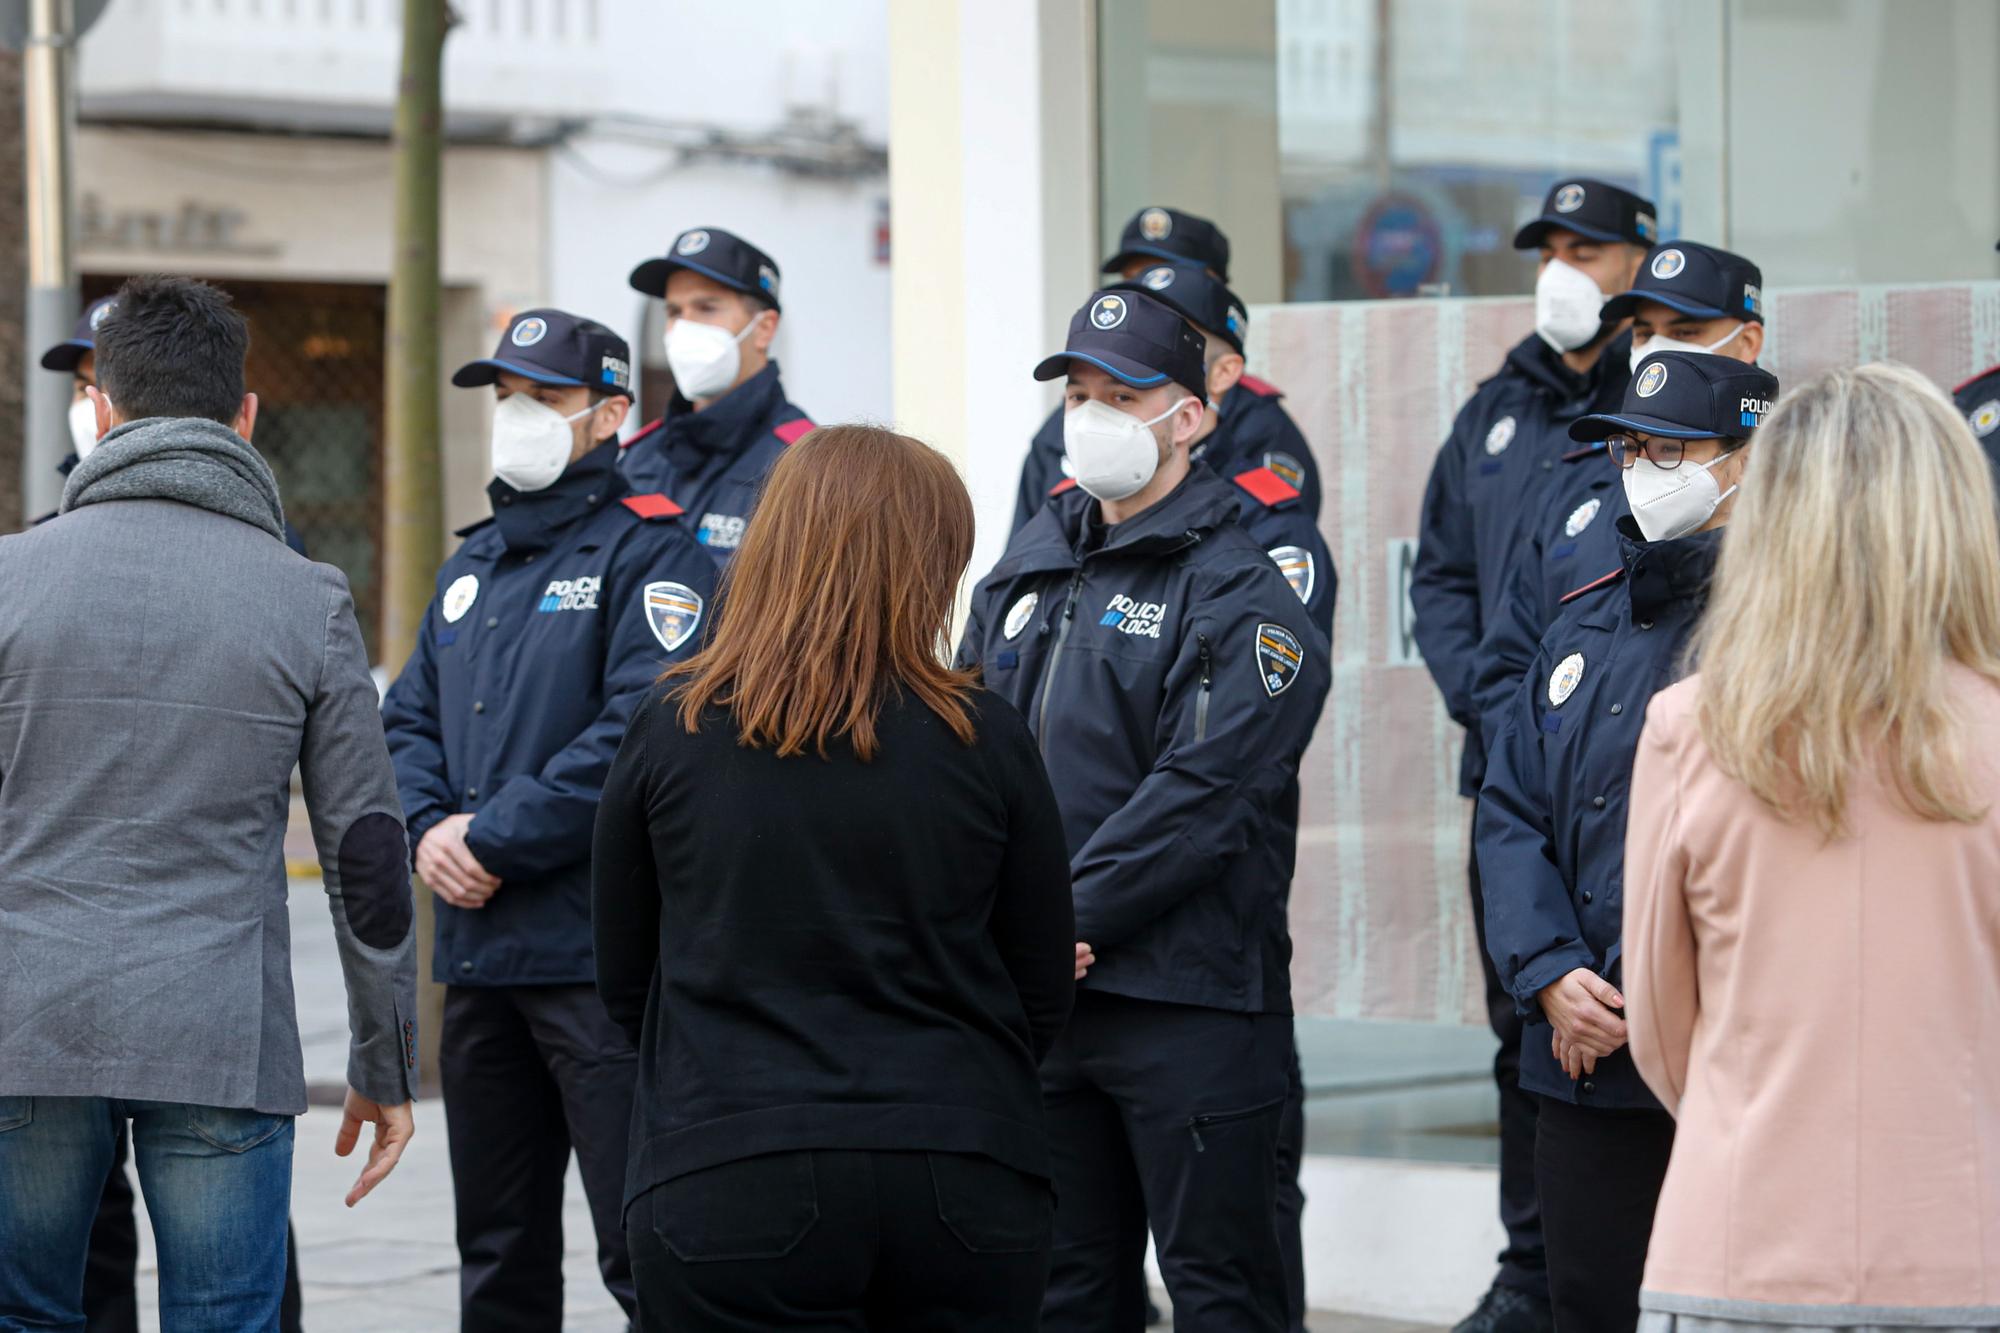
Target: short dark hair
[[173, 347]]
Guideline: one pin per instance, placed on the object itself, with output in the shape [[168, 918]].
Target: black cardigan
[[820, 953]]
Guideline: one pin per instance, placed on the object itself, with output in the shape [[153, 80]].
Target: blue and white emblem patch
[[459, 597], [673, 610], [1279, 657], [1581, 516], [1564, 680], [1019, 614], [1296, 564]]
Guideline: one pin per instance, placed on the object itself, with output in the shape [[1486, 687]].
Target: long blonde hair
[[1863, 557]]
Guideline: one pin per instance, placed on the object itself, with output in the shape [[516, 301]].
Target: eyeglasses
[[1662, 452]]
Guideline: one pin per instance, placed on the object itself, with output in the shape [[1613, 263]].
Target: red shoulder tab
[[1576, 455], [1593, 586], [794, 431], [1262, 388], [1270, 489], [652, 506], [1971, 380], [643, 432], [1066, 484]]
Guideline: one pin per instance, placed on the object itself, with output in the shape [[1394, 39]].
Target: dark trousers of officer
[[111, 1267], [1600, 1173], [1291, 1198], [529, 1073], [1166, 1114], [1523, 1264]]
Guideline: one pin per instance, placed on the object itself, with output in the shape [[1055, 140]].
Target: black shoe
[[1505, 1310]]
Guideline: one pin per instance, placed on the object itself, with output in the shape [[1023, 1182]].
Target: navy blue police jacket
[[1253, 430], [712, 462], [549, 624], [1172, 678], [1572, 540], [1551, 826], [1492, 471]]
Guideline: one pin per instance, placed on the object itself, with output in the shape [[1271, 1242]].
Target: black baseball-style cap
[[1188, 288], [83, 338], [1134, 337], [1697, 280], [1688, 396], [1168, 233], [555, 347], [713, 253], [1979, 399], [1592, 208]]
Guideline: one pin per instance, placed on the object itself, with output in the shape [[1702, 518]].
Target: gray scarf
[[190, 459]]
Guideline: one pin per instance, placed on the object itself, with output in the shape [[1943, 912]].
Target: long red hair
[[841, 591]]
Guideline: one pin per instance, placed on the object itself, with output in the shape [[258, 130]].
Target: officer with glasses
[[1551, 826]]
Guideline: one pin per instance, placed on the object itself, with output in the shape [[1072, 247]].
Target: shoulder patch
[[672, 612], [1262, 388], [652, 506], [791, 432], [1593, 586], [643, 432], [1066, 484], [1269, 489], [1279, 657]]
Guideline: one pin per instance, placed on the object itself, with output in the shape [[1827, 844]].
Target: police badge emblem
[[692, 243], [1567, 676], [1158, 279], [1668, 264], [98, 315], [1500, 436], [673, 610], [1279, 657], [1652, 379], [1581, 516], [1020, 614], [1109, 312], [1569, 198], [1155, 224], [1288, 469], [1296, 564], [459, 597], [1986, 418], [529, 332]]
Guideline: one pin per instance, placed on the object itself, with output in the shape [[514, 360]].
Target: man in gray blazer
[[165, 663]]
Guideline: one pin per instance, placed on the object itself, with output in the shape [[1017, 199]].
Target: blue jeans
[[218, 1187]]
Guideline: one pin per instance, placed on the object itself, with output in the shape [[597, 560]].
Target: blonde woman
[[1812, 880]]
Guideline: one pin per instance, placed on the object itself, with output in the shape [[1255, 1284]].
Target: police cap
[[1688, 396], [555, 347], [83, 338], [1189, 289], [1169, 234], [1979, 399], [713, 253], [1697, 280], [1595, 209], [1134, 337]]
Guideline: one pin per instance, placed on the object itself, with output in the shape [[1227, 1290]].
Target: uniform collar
[[68, 465], [728, 425], [1055, 536], [532, 520], [1660, 574], [1542, 366]]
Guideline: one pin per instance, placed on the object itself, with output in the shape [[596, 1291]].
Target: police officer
[[549, 624], [1172, 677], [1688, 298], [729, 417], [1259, 432], [1979, 399], [1590, 237], [1552, 820]]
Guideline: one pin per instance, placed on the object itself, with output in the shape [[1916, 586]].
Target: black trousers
[[1523, 1264], [529, 1073], [1166, 1115], [111, 1267], [1600, 1173], [879, 1241], [1291, 1198]]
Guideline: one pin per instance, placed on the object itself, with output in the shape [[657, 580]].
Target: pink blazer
[[1824, 1020]]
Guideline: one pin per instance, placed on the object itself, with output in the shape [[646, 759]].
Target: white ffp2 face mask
[[83, 427], [1567, 302], [531, 442], [705, 358], [1660, 343], [1112, 454], [1672, 502]]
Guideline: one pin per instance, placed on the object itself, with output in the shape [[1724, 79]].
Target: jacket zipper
[[1055, 657], [1201, 699], [1197, 1123]]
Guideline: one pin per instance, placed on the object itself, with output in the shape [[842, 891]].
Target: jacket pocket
[[16, 1112], [756, 1208], [231, 1130], [990, 1207]]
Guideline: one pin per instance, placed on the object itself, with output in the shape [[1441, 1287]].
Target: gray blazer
[[162, 669]]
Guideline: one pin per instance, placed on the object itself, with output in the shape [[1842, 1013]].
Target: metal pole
[[48, 119], [412, 489]]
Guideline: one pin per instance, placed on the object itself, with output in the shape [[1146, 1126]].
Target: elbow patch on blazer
[[375, 881]]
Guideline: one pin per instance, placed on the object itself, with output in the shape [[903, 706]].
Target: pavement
[[390, 1265]]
